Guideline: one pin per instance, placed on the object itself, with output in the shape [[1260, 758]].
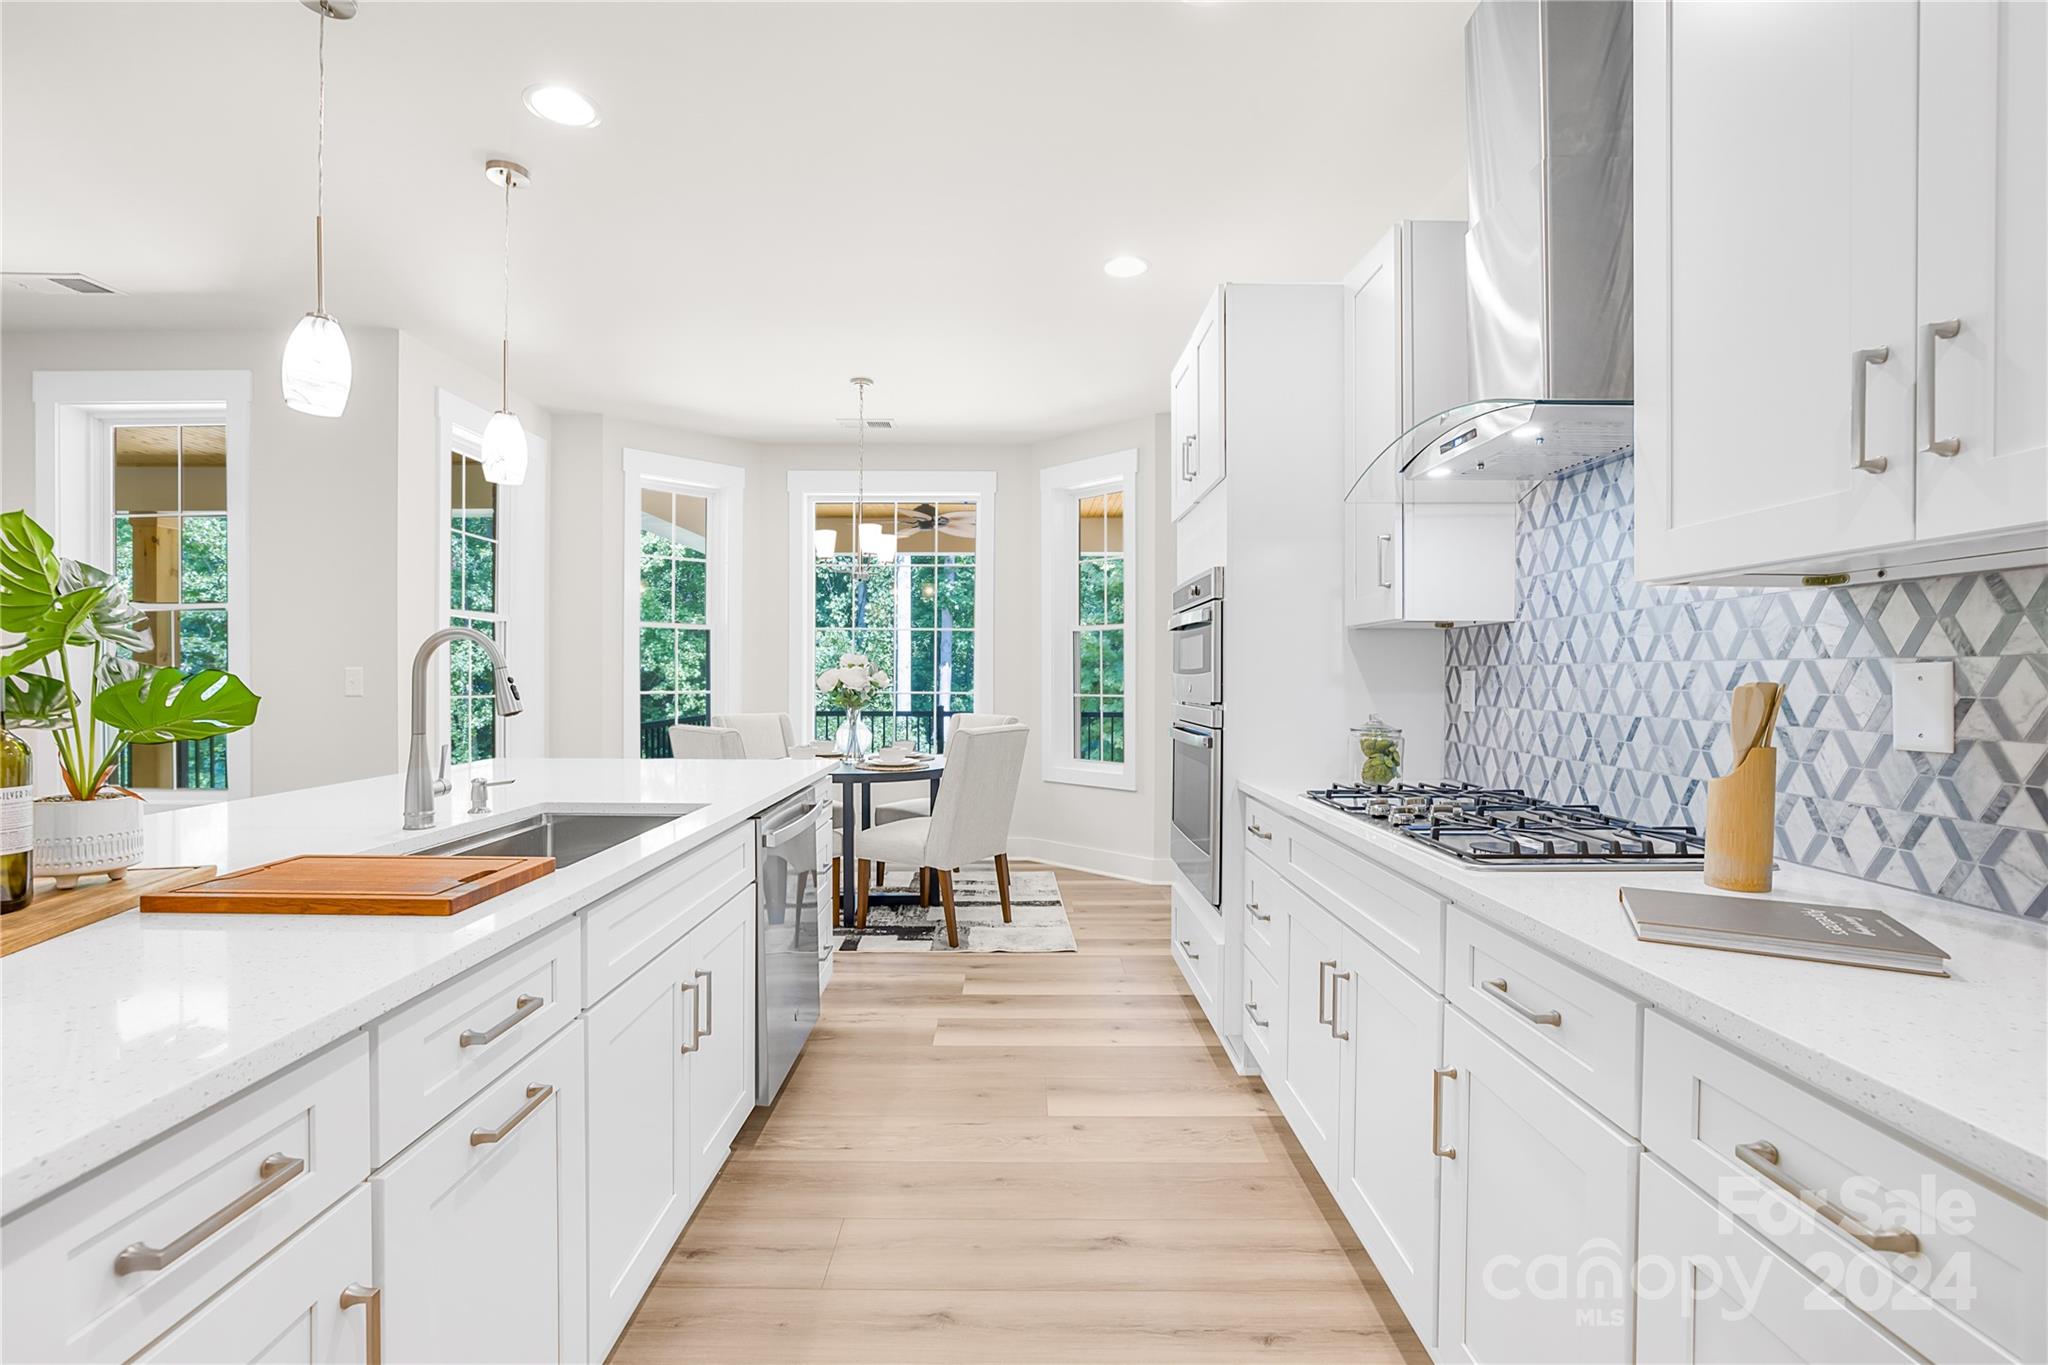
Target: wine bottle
[[17, 824]]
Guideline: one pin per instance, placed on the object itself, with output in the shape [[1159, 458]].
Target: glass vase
[[850, 745]]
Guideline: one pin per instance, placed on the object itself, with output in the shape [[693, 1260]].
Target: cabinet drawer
[[1198, 947], [1266, 895], [1581, 1031], [631, 927], [434, 1053], [1972, 1288], [1395, 915], [290, 1306], [1265, 1017], [61, 1255]]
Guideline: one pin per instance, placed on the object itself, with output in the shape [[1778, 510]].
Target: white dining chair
[[905, 807], [763, 734], [705, 741], [969, 821]]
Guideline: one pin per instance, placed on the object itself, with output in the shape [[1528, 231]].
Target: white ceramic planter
[[78, 838]]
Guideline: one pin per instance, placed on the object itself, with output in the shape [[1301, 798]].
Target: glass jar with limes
[[1375, 752]]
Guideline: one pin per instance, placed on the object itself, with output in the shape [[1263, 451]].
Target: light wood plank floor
[[1012, 1158]]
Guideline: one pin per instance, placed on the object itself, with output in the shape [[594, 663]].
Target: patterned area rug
[[1038, 917]]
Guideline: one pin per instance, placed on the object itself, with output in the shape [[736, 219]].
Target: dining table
[[858, 778]]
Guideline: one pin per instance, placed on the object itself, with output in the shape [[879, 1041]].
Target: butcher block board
[[323, 884], [55, 912]]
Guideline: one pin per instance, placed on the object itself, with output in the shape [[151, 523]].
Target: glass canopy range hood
[[1504, 440]]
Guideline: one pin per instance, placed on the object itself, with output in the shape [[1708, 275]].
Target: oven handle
[[1194, 620], [1193, 738]]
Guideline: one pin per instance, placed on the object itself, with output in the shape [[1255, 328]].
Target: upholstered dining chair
[[763, 734], [969, 821], [705, 741]]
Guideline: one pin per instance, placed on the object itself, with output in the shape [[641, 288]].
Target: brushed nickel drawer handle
[[1252, 909], [1762, 1157], [689, 988], [1929, 334], [1251, 1007], [523, 1006], [536, 1096], [710, 1012], [1253, 828], [277, 1171], [1859, 403], [371, 1299], [1436, 1113], [1499, 987], [1335, 977], [1187, 945]]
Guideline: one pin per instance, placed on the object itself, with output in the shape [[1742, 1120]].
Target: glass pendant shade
[[317, 371], [504, 449]]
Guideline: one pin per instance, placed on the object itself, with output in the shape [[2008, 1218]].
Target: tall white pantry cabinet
[[1841, 218]]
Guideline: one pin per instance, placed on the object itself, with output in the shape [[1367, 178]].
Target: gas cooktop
[[1501, 827]]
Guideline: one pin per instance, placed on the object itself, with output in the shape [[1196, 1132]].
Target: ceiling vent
[[63, 283], [874, 423]]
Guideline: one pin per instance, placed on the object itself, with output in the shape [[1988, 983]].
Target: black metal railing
[[924, 730], [196, 765]]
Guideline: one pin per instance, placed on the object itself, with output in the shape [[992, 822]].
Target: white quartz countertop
[[115, 1033], [1958, 1063]]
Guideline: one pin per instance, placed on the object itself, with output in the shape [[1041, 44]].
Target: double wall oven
[[1196, 644]]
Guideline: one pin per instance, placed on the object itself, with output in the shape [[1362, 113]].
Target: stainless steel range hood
[[1549, 255]]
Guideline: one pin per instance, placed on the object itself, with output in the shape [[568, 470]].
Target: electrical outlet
[[352, 681], [1924, 706], [1468, 691]]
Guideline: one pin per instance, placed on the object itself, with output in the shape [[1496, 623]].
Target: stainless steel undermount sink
[[564, 836]]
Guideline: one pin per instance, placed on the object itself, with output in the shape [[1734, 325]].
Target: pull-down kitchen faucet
[[420, 786]]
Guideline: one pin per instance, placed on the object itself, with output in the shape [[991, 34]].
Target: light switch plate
[[1924, 706], [1468, 691], [352, 681]]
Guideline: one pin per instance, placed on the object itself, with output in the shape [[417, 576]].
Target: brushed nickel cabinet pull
[[1187, 946], [1499, 987], [1929, 334], [523, 1006], [1859, 400], [371, 1300], [536, 1096], [1322, 967], [1436, 1113], [1762, 1157], [1252, 908], [710, 1010], [1335, 977], [1253, 828], [1251, 1007], [276, 1171], [696, 1026], [1385, 543]]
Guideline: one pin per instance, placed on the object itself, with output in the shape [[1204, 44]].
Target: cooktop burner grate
[[1501, 827]]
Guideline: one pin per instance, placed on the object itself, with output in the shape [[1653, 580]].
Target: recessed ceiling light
[[560, 104], [1124, 267]]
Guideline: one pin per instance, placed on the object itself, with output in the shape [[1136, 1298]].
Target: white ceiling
[[778, 197]]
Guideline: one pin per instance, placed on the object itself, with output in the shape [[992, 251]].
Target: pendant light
[[860, 478], [504, 438], [316, 372]]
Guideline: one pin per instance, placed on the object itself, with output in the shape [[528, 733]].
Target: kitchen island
[[128, 1043]]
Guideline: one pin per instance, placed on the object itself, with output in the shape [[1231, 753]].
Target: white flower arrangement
[[854, 684]]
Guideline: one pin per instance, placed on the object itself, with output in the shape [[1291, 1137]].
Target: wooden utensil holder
[[1742, 811]]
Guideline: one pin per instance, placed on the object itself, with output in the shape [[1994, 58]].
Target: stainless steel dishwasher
[[793, 844]]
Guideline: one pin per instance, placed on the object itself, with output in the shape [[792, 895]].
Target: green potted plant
[[69, 668]]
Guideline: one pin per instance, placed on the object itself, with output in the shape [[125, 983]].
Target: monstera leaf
[[163, 705], [114, 620], [28, 572], [37, 702], [62, 620]]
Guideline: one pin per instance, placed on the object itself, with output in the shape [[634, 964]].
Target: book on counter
[[1781, 928]]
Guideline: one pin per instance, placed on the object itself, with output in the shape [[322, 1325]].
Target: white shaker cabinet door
[[1387, 1174], [1539, 1216], [639, 1110], [721, 1068], [1311, 1093], [1714, 1293], [1982, 437], [1372, 563], [1184, 418], [1209, 451], [480, 1231], [311, 1302], [1775, 300]]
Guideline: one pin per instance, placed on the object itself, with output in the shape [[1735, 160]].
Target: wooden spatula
[[1751, 708]]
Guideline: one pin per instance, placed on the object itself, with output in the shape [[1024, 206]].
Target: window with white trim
[[682, 573], [1088, 530], [476, 568]]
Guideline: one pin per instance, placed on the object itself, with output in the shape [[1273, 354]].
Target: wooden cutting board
[[55, 912], [323, 884]]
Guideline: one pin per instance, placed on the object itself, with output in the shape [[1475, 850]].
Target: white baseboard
[[1131, 867]]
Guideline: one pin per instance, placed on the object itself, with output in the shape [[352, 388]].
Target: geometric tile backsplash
[[1608, 691]]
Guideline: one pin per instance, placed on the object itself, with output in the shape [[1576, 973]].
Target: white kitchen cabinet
[[721, 1065], [311, 1301], [1538, 1218], [480, 1224], [1714, 1293], [1387, 1173], [1196, 411], [1815, 186], [1311, 1092]]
